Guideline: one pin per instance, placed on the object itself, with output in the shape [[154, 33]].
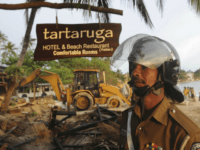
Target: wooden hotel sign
[[72, 40]]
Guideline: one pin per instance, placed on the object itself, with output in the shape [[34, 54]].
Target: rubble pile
[[41, 125], [92, 130]]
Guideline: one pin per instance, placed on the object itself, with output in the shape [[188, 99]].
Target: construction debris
[[46, 124]]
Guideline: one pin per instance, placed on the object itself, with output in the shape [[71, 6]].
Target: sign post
[[72, 40]]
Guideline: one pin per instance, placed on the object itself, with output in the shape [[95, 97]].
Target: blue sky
[[178, 25]]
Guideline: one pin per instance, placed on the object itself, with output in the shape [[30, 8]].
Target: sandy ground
[[192, 111]]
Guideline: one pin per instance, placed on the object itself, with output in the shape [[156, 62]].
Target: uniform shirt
[[167, 127]]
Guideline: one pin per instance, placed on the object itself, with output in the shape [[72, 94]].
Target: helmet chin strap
[[155, 89], [146, 90]]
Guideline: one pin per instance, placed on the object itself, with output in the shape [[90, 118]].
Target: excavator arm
[[52, 78]]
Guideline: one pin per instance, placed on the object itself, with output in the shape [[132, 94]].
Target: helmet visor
[[120, 56], [141, 49]]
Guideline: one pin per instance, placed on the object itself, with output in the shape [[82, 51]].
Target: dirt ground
[[192, 111]]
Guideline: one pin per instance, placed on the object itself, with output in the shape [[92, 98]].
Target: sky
[[178, 24]]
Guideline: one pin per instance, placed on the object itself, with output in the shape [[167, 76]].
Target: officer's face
[[144, 76]]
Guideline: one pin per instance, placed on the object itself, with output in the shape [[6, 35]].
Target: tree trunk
[[20, 61], [27, 38], [4, 109]]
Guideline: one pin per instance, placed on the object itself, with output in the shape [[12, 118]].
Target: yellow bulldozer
[[87, 89]]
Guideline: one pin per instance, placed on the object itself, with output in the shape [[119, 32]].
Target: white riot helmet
[[153, 53]]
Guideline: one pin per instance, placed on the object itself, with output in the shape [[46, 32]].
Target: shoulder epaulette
[[189, 126]]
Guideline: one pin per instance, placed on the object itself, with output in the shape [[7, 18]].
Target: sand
[[192, 111]]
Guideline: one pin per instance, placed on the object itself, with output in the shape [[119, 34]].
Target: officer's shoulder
[[189, 126]]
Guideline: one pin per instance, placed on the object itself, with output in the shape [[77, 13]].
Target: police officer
[[154, 122]]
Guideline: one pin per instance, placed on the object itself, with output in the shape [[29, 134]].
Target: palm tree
[[30, 44], [9, 50], [3, 38]]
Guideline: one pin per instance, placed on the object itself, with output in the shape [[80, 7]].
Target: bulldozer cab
[[86, 79]]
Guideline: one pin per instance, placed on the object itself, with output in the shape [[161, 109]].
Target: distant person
[[186, 93], [192, 93], [43, 94], [80, 82], [199, 95]]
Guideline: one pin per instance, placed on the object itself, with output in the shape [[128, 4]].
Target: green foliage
[[120, 75], [34, 114], [75, 63], [28, 65], [12, 70], [9, 50], [197, 74], [65, 74], [3, 38], [183, 75]]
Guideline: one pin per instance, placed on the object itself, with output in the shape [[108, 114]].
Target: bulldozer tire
[[83, 101], [114, 102]]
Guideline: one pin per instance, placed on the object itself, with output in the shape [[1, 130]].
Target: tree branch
[[58, 6]]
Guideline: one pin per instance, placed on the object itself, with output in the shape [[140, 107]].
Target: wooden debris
[[2, 132], [18, 105], [14, 111], [4, 146], [4, 124], [7, 133]]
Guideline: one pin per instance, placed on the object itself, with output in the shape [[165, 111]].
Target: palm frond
[[9, 50], [4, 54], [13, 53], [139, 4], [195, 5], [104, 17], [3, 37], [128, 3], [26, 14], [144, 13], [30, 44], [160, 5]]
